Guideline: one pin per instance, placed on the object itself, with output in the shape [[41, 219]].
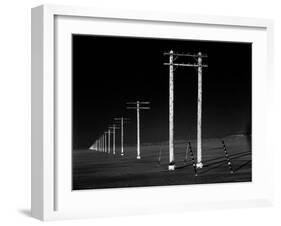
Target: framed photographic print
[[137, 112]]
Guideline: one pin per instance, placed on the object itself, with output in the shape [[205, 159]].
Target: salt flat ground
[[92, 169]]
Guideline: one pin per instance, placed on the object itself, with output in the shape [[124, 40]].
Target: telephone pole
[[101, 139], [138, 107], [105, 142], [113, 127], [172, 66], [109, 132], [199, 163], [122, 121], [100, 143], [171, 113]]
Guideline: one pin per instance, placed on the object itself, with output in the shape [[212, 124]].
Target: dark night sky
[[109, 71]]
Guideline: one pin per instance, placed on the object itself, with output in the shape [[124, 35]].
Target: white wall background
[[15, 111]]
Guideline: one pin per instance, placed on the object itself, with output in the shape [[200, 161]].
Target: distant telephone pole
[[172, 65], [122, 121], [138, 107], [98, 144], [102, 143], [108, 133], [105, 142], [113, 127]]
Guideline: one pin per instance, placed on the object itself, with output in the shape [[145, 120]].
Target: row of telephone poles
[[103, 143], [194, 61]]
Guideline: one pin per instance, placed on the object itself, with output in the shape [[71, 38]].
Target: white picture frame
[[52, 197]]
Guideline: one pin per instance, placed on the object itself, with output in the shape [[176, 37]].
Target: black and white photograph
[[158, 112]]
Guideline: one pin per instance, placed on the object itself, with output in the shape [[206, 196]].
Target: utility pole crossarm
[[114, 128], [184, 54], [140, 102], [141, 108], [186, 65], [122, 118]]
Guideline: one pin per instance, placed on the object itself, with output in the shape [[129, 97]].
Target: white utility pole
[[172, 57], [122, 136], [101, 144], [96, 145], [101, 138], [109, 132], [113, 127], [171, 113], [105, 142], [122, 121], [138, 130], [138, 108], [113, 139], [199, 163]]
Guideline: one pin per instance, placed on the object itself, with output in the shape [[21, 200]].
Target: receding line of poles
[[97, 145], [122, 121], [172, 66], [103, 143], [139, 105]]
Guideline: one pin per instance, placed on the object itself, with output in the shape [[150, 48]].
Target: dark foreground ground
[[93, 169]]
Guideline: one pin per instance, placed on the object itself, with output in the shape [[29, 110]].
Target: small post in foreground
[[227, 158]]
